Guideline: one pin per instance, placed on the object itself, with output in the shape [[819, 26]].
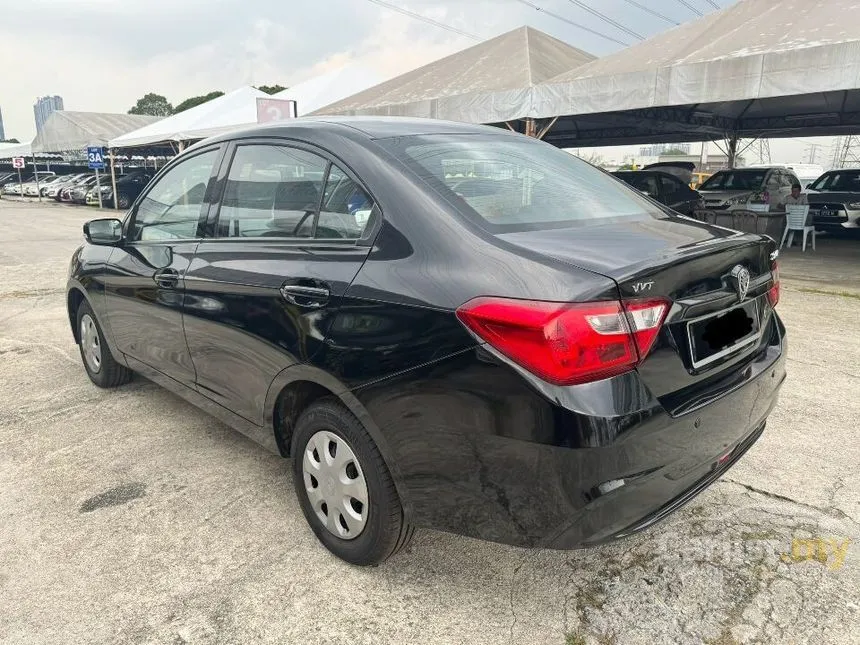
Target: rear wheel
[[344, 487], [124, 201], [101, 367]]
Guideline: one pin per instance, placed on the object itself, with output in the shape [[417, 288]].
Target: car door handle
[[311, 297], [166, 278]]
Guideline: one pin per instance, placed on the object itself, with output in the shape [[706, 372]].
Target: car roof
[[373, 127]]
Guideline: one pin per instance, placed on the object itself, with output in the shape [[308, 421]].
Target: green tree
[[271, 89], [194, 101], [9, 141], [674, 152], [153, 105]]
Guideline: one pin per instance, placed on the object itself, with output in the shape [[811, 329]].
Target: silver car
[[834, 199], [733, 189]]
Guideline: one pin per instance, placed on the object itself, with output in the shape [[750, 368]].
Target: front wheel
[[345, 489], [101, 367], [124, 201]]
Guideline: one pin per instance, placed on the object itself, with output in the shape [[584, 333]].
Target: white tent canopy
[[10, 150], [332, 86], [757, 68], [66, 130], [486, 83], [228, 112]]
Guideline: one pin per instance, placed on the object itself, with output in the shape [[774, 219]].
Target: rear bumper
[[480, 451]]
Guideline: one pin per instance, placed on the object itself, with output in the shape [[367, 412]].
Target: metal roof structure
[[227, 112], [489, 82], [66, 130], [758, 68]]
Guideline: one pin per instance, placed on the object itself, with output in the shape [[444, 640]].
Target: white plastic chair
[[795, 220]]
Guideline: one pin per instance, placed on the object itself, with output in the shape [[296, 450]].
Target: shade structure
[[228, 112], [66, 130], [329, 87], [489, 82], [758, 68], [10, 150]]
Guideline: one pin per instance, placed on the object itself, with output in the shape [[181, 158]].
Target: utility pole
[[846, 151], [812, 150]]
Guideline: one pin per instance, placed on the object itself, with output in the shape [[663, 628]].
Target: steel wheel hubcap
[[335, 485], [90, 345]]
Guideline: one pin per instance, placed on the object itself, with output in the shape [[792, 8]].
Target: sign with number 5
[[273, 110]]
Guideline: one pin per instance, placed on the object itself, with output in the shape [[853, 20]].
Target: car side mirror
[[105, 231]]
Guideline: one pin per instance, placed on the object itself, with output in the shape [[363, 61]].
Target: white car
[[732, 189]]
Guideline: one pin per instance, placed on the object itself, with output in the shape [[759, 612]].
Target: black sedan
[[442, 325], [663, 187], [128, 187]]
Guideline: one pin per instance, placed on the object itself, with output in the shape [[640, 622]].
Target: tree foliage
[[9, 141], [674, 152], [153, 105], [271, 89], [194, 101]]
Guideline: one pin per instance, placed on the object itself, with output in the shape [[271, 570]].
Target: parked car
[[663, 187], [128, 187], [733, 189], [834, 200], [28, 182], [69, 180], [35, 190], [697, 179], [77, 192], [560, 362]]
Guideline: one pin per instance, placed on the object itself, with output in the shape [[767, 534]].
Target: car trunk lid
[[689, 263]]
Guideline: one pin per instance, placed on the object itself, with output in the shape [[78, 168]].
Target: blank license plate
[[720, 334]]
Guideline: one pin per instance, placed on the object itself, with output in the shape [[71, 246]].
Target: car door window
[[272, 191], [644, 182], [346, 208], [773, 180], [171, 209], [670, 188]]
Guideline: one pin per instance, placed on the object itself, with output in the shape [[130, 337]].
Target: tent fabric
[[10, 150], [228, 112], [489, 82], [66, 130], [751, 50], [327, 88]]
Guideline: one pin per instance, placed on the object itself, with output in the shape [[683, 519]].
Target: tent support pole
[[113, 181], [531, 128], [733, 149], [510, 127], [547, 128], [181, 146]]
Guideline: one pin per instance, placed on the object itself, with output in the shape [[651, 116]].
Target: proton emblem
[[741, 278]]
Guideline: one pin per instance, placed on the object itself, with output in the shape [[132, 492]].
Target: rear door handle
[[310, 297], [166, 278]]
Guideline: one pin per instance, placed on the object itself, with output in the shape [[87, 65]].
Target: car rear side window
[[280, 191], [508, 183], [171, 209]]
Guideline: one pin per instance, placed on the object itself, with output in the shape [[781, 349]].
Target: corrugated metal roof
[[485, 83]]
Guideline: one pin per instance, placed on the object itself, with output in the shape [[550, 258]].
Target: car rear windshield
[[735, 180], [509, 183], [847, 181]]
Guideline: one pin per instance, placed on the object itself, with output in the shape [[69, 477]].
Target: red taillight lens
[[566, 343], [773, 292]]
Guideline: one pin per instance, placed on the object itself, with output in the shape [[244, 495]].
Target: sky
[[102, 55]]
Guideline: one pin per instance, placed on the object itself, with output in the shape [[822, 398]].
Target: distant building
[[715, 162], [43, 107], [2, 131], [657, 149]]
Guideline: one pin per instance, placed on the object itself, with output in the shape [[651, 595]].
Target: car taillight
[[773, 292], [567, 343]]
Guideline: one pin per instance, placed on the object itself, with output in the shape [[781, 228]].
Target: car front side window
[[171, 209]]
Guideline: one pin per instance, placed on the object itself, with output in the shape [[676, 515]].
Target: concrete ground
[[128, 516]]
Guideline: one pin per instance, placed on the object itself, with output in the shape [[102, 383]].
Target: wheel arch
[[74, 298], [297, 387]]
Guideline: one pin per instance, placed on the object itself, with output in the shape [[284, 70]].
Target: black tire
[[124, 201], [386, 530], [108, 373]]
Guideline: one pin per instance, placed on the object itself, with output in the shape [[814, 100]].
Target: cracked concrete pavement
[[129, 516]]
